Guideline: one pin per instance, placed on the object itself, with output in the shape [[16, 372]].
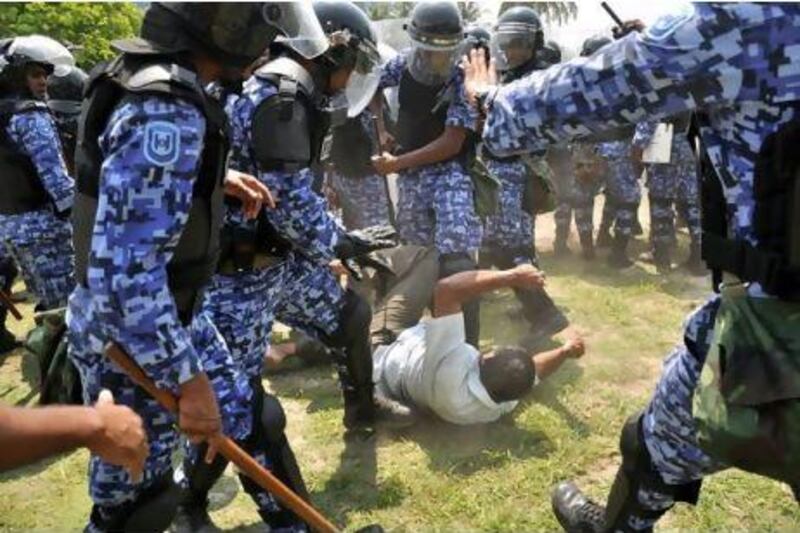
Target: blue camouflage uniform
[[667, 182], [39, 240], [436, 204], [622, 190], [139, 220], [738, 63], [363, 199], [512, 227]]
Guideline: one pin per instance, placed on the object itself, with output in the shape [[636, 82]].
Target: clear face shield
[[363, 81], [299, 27], [512, 47], [432, 65]]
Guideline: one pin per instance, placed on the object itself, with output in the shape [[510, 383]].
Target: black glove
[[361, 242]]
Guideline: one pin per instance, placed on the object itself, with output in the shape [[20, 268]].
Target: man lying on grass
[[428, 365]]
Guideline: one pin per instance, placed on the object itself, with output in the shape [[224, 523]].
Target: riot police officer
[[151, 163], [509, 235], [64, 96], [436, 197], [38, 190], [729, 61]]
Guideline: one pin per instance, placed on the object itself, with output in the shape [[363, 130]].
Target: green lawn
[[438, 477]]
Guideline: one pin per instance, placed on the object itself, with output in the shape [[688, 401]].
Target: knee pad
[[454, 263]]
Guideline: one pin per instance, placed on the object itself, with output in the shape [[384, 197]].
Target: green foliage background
[[89, 26]]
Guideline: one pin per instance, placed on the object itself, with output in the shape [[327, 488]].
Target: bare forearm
[[30, 434], [454, 290], [445, 147], [548, 362]]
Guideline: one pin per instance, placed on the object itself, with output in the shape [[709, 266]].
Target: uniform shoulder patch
[[162, 143]]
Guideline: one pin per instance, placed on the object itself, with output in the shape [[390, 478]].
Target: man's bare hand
[[120, 438], [198, 413], [627, 27], [526, 277], [385, 163], [250, 191], [479, 75], [575, 348]]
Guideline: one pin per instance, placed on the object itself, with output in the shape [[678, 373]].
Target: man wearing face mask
[[151, 172], [37, 188], [436, 197], [508, 239]]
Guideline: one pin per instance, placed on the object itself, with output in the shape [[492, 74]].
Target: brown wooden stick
[[227, 447], [5, 300]]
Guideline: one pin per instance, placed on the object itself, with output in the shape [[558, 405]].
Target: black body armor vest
[[422, 113], [352, 149], [195, 257], [22, 188], [775, 261]]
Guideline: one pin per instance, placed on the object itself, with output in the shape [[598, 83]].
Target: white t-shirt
[[431, 366]]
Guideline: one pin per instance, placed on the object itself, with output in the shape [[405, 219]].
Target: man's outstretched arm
[[451, 292]]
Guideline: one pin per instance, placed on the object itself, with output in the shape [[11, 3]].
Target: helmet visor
[[363, 81], [299, 27], [510, 49], [431, 65]]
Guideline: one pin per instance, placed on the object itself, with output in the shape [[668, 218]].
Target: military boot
[[694, 264], [661, 258], [560, 248], [587, 246], [619, 253], [575, 512]]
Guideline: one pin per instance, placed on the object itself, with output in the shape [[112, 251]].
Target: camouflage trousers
[[111, 486], [623, 195], [297, 292], [363, 200], [511, 227], [41, 244], [687, 201], [436, 206], [668, 426]]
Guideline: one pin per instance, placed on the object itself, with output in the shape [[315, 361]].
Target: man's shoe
[[193, 518], [574, 511], [393, 414]]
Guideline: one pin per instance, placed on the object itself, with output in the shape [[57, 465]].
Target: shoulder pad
[[163, 73], [24, 106], [289, 69], [278, 143]]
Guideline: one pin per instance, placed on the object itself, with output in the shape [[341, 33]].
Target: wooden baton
[[5, 300], [226, 446]]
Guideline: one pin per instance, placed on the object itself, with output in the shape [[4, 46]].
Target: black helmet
[[65, 92], [518, 36], [593, 44], [551, 53], [233, 33], [353, 44], [436, 23]]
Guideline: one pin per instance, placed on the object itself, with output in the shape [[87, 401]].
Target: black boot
[[200, 479], [539, 310], [604, 238], [661, 258], [619, 253], [587, 247], [8, 341], [574, 511], [560, 248], [694, 264]]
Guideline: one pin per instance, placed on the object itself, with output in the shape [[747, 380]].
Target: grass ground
[[437, 477]]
